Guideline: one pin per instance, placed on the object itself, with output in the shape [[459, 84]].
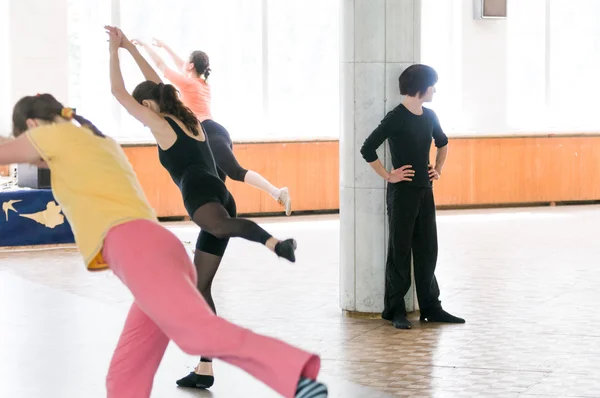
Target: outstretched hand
[[158, 43], [117, 34], [114, 40]]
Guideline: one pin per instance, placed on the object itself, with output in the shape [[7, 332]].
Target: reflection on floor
[[526, 280]]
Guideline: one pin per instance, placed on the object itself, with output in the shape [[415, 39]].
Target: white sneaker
[[285, 201]]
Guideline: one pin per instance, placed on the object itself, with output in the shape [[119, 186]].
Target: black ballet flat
[[194, 380], [286, 249]]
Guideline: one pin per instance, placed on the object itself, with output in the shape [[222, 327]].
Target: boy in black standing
[[410, 129]]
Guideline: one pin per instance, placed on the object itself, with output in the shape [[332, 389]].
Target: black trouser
[[411, 215], [222, 149]]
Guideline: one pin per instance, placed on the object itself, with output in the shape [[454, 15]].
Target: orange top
[[195, 93]]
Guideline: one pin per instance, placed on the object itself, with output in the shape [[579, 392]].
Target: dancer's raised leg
[[222, 149], [214, 219]]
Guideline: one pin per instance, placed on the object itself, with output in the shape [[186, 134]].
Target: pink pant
[[155, 266]]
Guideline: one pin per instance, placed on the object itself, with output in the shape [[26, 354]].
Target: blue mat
[[32, 217]]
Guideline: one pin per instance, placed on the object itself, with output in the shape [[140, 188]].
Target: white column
[[379, 39], [39, 48]]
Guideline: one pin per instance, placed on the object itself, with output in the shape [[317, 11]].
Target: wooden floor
[[526, 280]]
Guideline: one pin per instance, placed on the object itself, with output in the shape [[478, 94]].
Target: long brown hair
[[167, 98], [44, 107]]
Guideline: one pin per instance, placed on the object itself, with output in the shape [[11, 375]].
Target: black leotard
[[192, 166]]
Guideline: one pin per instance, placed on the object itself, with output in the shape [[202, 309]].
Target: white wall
[[528, 73], [484, 72], [38, 48], [471, 58], [4, 71]]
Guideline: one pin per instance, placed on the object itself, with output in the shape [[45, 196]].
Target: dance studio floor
[[526, 280]]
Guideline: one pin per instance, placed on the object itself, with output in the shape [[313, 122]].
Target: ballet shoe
[[286, 249], [285, 200], [194, 380]]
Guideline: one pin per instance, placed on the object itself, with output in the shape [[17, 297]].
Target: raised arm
[[146, 69], [177, 60], [146, 116], [177, 78], [156, 59]]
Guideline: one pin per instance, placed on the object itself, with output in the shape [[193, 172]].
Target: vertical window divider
[[265, 62], [115, 20]]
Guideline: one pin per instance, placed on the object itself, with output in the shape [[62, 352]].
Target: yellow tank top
[[93, 182]]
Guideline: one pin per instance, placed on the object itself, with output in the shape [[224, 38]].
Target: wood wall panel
[[309, 169], [520, 170], [479, 171], [161, 191]]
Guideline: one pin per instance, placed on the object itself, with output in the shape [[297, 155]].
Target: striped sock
[[310, 389]]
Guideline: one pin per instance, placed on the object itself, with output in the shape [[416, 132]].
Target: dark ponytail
[[166, 97], [201, 63], [83, 122], [45, 107]]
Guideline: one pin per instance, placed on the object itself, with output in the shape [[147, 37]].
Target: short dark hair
[[416, 79]]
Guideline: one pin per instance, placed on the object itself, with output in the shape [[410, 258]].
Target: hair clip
[[67, 113]]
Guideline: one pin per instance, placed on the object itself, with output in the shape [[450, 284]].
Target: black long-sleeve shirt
[[410, 137]]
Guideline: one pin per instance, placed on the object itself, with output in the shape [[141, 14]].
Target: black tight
[[218, 224], [222, 149], [206, 267]]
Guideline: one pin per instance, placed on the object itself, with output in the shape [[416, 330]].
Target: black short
[[199, 187]]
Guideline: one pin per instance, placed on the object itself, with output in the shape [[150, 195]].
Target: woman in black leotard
[[185, 153], [191, 79]]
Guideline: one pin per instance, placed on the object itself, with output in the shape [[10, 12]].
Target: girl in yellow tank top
[[115, 227]]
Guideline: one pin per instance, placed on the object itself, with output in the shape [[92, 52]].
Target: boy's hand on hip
[[404, 173], [434, 174]]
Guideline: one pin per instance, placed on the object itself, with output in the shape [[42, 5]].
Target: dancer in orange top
[[191, 79]]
